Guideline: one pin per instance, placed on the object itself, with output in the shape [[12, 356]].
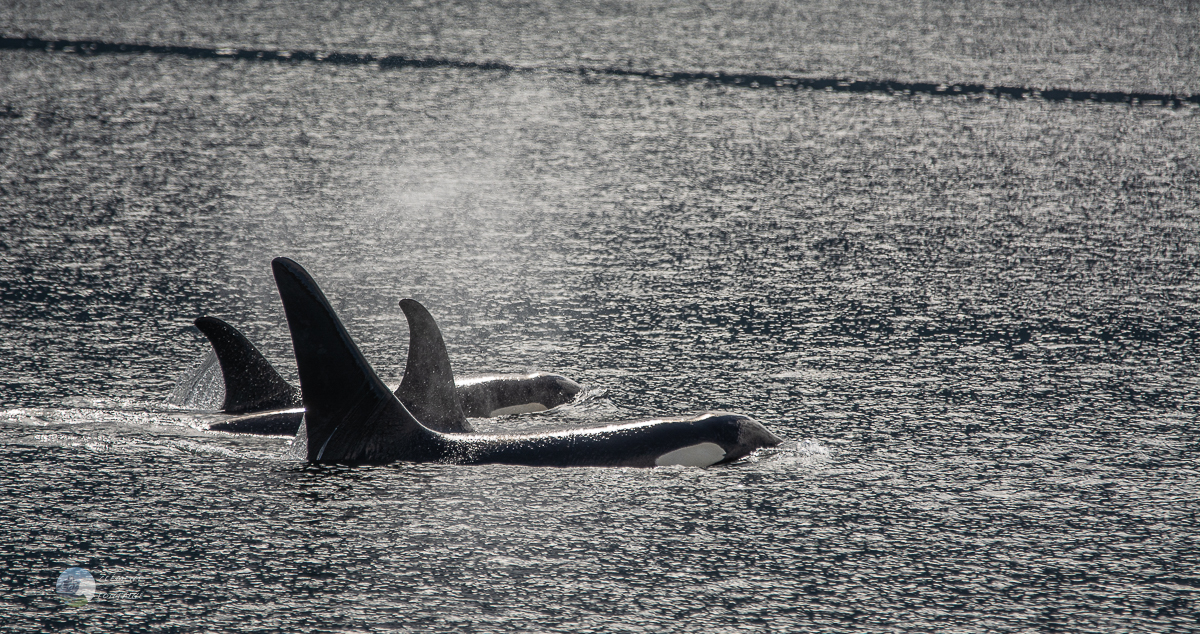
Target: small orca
[[352, 417], [268, 405], [427, 376]]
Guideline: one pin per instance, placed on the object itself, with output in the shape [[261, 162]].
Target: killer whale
[[264, 401], [252, 384], [428, 377], [266, 404], [352, 417], [491, 395]]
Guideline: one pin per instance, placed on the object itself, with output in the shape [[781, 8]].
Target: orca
[[491, 395], [266, 404], [351, 417], [428, 377]]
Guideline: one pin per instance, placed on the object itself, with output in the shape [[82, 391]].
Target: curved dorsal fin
[[251, 382], [427, 389], [350, 415]]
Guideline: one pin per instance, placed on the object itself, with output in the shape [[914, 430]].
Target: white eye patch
[[526, 408], [701, 455]]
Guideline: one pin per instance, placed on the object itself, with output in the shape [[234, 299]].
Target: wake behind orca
[[352, 417], [267, 404]]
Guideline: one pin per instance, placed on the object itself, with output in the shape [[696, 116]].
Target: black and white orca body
[[691, 441], [493, 395], [430, 391], [351, 416], [266, 404]]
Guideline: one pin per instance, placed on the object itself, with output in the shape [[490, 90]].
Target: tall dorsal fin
[[350, 415], [251, 382], [427, 389]]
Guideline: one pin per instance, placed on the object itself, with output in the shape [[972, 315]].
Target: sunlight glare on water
[[974, 320]]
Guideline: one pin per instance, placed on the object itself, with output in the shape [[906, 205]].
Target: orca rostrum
[[352, 417]]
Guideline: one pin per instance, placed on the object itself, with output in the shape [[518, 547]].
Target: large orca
[[267, 404], [352, 417]]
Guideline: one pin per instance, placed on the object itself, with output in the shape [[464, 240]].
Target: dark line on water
[[745, 80]]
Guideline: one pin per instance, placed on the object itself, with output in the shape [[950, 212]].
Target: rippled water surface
[[975, 320]]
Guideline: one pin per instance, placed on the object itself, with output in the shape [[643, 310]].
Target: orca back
[[251, 382]]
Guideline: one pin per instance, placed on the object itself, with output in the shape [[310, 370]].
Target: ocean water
[[974, 319]]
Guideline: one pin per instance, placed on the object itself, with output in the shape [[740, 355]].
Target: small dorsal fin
[[427, 389], [251, 382], [350, 415]]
